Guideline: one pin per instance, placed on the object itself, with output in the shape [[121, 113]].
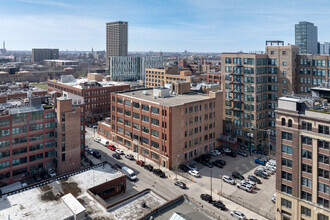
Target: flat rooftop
[[45, 202], [76, 83], [172, 100]]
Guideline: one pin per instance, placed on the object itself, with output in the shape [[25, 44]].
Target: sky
[[159, 25]]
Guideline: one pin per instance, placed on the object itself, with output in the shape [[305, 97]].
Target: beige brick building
[[302, 156], [168, 129]]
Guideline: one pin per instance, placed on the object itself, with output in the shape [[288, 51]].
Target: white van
[[104, 142], [129, 173]]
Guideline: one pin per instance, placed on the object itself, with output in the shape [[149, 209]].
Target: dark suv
[[96, 154], [237, 175], [184, 168], [254, 179], [159, 172], [206, 197]]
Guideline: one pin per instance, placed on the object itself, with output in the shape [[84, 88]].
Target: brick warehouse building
[[302, 156], [166, 128], [39, 135], [91, 91]]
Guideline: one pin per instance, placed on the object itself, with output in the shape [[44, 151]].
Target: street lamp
[[221, 185]]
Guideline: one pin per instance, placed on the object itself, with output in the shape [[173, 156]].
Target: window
[[286, 136], [305, 211], [286, 175], [136, 126], [136, 115], [286, 162], [286, 203], [306, 168], [322, 217], [145, 118], [323, 173], [155, 121], [128, 133], [120, 120], [306, 154], [120, 100], [323, 144], [145, 129], [323, 202], [127, 123], [136, 105], [306, 126], [120, 130], [289, 123], [305, 195], [21, 160], [20, 130], [127, 102], [127, 113], [155, 110], [286, 189], [286, 149], [154, 144], [284, 63], [145, 107], [145, 141], [323, 129], [306, 140], [120, 110], [323, 158], [154, 133], [306, 182], [323, 188], [283, 122]]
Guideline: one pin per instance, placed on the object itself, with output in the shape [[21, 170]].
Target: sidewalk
[[195, 189]]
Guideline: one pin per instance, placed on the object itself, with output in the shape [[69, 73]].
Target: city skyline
[[195, 26]]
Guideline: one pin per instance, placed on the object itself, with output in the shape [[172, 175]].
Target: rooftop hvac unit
[[145, 92]]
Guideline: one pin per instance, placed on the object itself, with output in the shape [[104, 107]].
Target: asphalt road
[[165, 187]]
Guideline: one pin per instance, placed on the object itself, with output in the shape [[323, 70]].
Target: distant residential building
[[213, 77], [150, 62], [116, 39], [61, 63], [323, 47], [45, 132], [302, 156], [165, 127], [306, 37], [39, 55], [94, 94], [127, 68]]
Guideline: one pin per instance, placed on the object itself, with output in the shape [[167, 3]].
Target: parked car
[[272, 162], [254, 179], [45, 175], [194, 173], [231, 154], [217, 164], [242, 153], [97, 139], [37, 178], [206, 163], [96, 154], [274, 198], [270, 168], [237, 215], [129, 156], [148, 167], [159, 172], [237, 175], [260, 161], [264, 171], [226, 150], [219, 205], [250, 182], [206, 197], [180, 184], [117, 156], [228, 179], [198, 159], [269, 164], [217, 152], [120, 151], [184, 167], [213, 153], [244, 186], [206, 157], [89, 150], [191, 167], [140, 162], [260, 174], [222, 162], [51, 172], [111, 147]]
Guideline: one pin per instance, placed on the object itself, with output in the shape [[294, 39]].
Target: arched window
[[283, 121], [289, 123]]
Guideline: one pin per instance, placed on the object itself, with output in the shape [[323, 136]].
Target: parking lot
[[258, 199]]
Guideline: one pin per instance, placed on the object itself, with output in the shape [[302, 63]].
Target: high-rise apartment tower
[[117, 39], [306, 37]]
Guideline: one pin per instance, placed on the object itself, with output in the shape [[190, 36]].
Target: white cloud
[[46, 3]]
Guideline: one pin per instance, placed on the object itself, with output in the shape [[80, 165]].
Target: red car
[[111, 147], [140, 162]]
